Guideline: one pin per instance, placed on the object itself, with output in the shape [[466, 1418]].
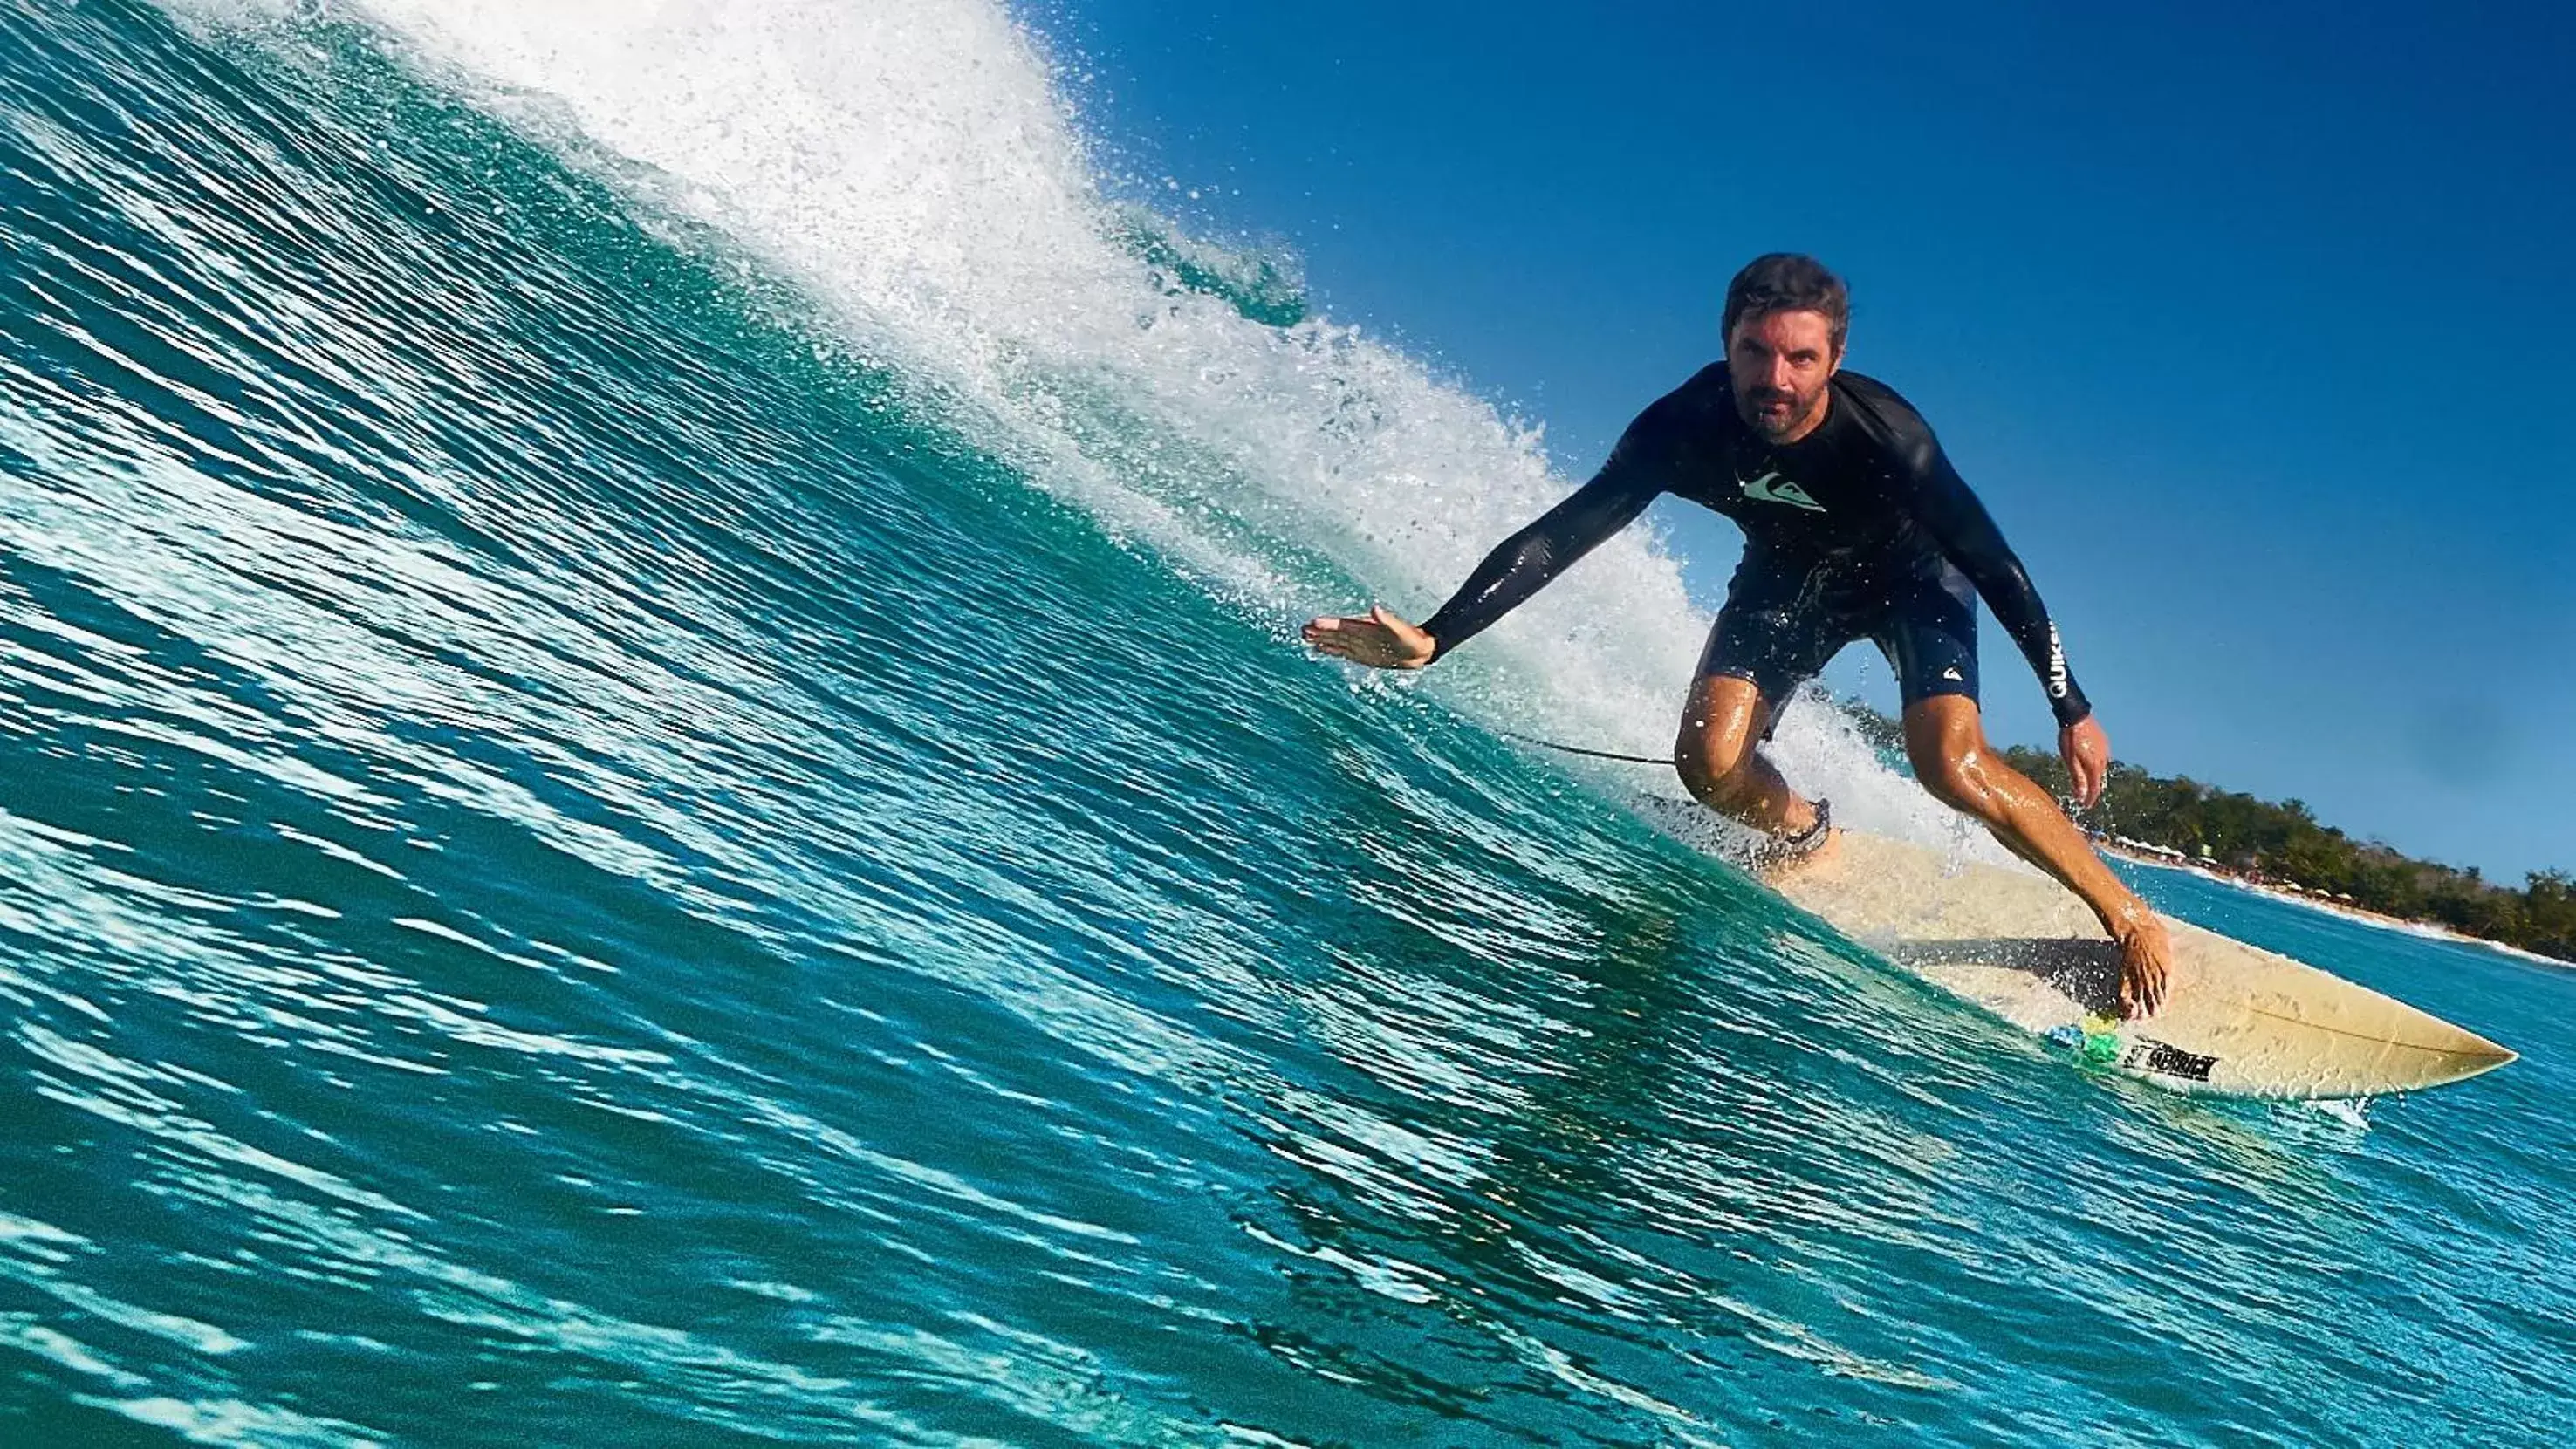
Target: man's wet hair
[[1788, 282]]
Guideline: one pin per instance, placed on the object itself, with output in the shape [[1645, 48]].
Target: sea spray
[[918, 172]]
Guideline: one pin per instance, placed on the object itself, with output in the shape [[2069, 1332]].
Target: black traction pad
[[2167, 1061]]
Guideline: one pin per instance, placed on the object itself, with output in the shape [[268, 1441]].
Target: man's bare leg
[[1716, 753], [1946, 740]]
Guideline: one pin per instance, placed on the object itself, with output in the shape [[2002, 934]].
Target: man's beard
[[1757, 414]]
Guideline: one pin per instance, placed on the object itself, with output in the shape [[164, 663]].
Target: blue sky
[[2250, 323]]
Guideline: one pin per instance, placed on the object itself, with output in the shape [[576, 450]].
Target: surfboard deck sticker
[[2237, 1020]]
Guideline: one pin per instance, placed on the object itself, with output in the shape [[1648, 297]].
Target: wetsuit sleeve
[[1959, 523], [1523, 563]]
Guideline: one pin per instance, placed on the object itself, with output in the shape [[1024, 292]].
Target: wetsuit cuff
[[1440, 633]]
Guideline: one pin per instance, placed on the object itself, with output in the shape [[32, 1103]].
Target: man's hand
[[2088, 758], [1377, 639], [2144, 952]]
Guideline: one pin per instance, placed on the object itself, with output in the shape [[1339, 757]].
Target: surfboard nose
[[2488, 1055]]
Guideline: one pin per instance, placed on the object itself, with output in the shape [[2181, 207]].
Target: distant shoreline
[[2434, 930]]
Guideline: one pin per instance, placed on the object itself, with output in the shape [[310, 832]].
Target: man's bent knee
[[1723, 788], [1719, 730]]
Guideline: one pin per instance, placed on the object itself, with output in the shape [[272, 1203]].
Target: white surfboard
[[2236, 1020]]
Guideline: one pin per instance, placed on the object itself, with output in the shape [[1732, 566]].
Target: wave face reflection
[[656, 791]]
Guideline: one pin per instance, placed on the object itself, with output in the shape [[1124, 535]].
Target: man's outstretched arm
[[1517, 568], [1524, 563]]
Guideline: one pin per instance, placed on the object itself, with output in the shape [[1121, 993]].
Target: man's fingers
[[2142, 992], [1331, 632], [1345, 624], [2086, 772]]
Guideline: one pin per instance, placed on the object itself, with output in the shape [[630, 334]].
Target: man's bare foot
[[1820, 859], [2145, 954], [1811, 849]]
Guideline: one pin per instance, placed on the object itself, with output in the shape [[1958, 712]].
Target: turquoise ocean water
[[654, 789]]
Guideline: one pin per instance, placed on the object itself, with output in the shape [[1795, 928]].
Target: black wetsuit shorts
[[1785, 617]]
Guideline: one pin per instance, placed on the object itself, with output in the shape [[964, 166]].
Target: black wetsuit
[[1860, 530]]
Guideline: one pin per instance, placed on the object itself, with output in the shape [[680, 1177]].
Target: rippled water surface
[[656, 791]]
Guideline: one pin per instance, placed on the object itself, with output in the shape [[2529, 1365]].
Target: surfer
[[1855, 527]]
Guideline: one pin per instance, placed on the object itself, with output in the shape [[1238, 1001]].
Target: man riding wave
[[1855, 527]]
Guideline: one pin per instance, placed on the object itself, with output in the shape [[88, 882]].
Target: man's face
[[1780, 362]]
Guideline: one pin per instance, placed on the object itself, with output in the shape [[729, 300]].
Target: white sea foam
[[917, 171]]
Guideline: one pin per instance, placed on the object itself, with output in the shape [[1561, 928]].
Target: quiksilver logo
[[1772, 488]]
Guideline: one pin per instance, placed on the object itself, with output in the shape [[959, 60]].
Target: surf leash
[[1588, 754]]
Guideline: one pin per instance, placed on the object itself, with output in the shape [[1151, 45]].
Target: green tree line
[[2285, 842]]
